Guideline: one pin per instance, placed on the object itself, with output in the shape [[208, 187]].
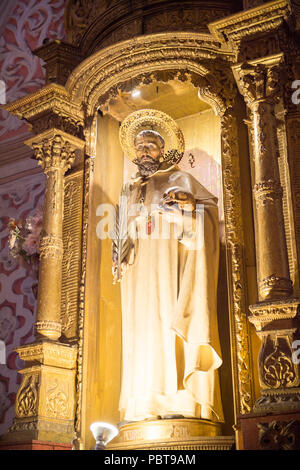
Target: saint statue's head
[[149, 149]]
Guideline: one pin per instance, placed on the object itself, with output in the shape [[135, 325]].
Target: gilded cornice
[[96, 24], [264, 18], [49, 354], [267, 312], [51, 98], [95, 75]]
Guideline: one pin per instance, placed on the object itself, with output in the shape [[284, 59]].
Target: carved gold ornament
[[27, 397], [277, 435], [177, 434], [156, 121]]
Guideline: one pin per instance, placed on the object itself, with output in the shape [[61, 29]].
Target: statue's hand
[[179, 200]]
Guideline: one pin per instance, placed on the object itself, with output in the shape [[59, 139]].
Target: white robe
[[171, 349]]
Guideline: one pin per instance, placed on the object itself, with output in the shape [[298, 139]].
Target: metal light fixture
[[103, 433]]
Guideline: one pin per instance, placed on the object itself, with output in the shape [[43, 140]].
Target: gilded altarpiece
[[91, 84], [222, 96]]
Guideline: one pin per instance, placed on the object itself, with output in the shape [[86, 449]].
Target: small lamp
[[103, 433]]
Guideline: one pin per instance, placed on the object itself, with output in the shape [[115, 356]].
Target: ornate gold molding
[[27, 397], [60, 59], [53, 99], [267, 312], [262, 19], [49, 354], [275, 287], [72, 235], [51, 247], [289, 210], [267, 192], [175, 434], [241, 360], [278, 435], [94, 24], [293, 150], [89, 165], [258, 80], [127, 60]]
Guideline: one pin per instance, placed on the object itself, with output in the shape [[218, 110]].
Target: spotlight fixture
[[103, 433]]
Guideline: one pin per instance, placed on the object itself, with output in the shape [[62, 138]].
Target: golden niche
[[167, 264]]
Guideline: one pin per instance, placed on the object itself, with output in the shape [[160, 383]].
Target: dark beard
[[147, 168]]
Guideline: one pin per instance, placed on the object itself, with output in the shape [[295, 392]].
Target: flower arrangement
[[24, 241]]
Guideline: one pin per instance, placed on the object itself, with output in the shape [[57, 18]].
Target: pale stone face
[[148, 146]]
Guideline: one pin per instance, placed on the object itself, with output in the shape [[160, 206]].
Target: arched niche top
[[92, 25], [163, 76], [193, 56]]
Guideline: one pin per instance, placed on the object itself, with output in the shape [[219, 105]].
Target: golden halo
[[150, 119]]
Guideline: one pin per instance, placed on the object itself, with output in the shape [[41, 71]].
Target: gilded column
[[55, 154], [259, 85], [253, 35], [276, 315], [45, 405]]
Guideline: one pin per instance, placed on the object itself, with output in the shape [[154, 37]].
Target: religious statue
[[168, 274]]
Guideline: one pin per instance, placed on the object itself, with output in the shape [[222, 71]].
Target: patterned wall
[[18, 200], [30, 22]]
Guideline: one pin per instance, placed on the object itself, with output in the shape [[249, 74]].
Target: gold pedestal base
[[40, 430], [45, 402], [176, 434]]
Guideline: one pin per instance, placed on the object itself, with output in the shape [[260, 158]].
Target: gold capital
[[55, 149]]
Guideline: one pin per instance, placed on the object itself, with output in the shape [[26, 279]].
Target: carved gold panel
[[72, 225], [45, 402]]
